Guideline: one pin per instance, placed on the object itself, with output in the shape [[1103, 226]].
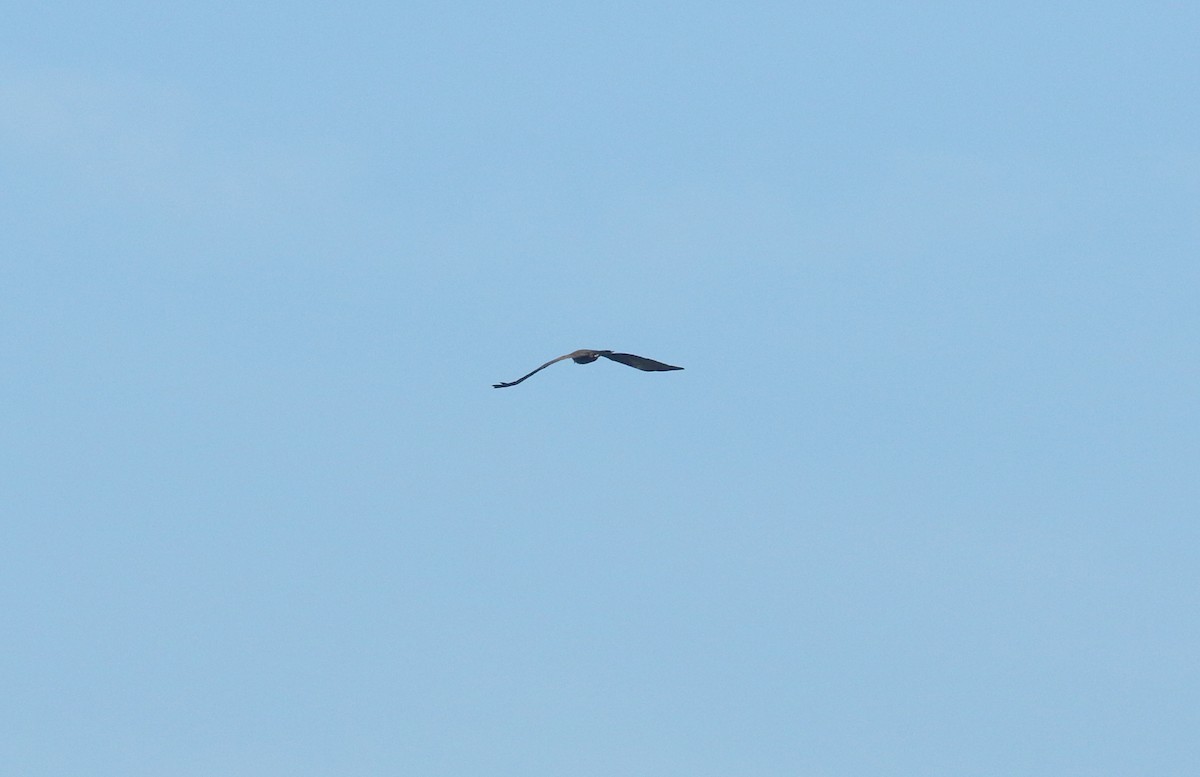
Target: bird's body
[[587, 356]]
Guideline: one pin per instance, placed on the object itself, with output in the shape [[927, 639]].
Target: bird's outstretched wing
[[539, 369], [641, 362]]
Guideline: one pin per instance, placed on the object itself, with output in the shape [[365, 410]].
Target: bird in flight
[[587, 356]]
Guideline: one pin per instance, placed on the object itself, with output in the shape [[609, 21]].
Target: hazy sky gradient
[[923, 501]]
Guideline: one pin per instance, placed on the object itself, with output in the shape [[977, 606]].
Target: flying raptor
[[587, 356]]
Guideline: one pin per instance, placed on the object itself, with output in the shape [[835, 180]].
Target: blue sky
[[923, 501]]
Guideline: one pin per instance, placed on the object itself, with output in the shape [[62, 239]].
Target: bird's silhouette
[[587, 356]]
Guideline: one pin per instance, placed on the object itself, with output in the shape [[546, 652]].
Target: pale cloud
[[937, 201], [150, 143]]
